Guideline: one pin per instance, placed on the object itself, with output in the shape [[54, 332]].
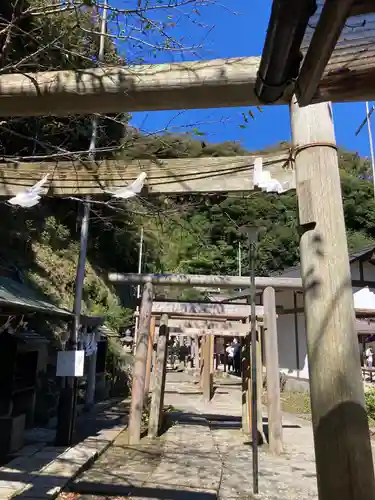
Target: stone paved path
[[291, 476], [202, 456], [39, 471]]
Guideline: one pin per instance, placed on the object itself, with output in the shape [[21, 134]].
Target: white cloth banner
[[90, 344]]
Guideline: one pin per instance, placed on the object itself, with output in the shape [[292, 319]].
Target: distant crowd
[[227, 354]]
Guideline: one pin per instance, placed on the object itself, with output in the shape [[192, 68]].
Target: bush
[[282, 377], [370, 404], [119, 369], [283, 380]]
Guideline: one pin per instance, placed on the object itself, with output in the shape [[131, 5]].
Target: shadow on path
[[143, 492]]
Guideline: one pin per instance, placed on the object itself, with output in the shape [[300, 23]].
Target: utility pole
[[371, 144], [140, 256], [68, 395]]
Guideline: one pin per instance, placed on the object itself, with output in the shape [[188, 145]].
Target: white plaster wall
[[286, 328], [368, 271], [364, 299], [287, 346], [355, 271], [285, 299], [303, 361]]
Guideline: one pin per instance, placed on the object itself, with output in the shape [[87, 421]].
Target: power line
[[369, 130]]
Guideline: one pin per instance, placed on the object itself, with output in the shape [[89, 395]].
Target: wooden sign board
[[192, 309]]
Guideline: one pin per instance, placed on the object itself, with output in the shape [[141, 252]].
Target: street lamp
[[253, 233]]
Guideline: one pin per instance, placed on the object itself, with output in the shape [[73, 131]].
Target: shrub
[[282, 377], [370, 404], [119, 368]]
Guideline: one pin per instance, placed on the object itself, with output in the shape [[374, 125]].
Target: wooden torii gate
[[341, 434], [209, 312], [205, 321], [168, 177]]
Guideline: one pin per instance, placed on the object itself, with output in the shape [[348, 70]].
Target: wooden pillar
[[225, 365], [153, 356], [139, 367], [196, 352], [296, 331], [260, 387], [190, 351], [212, 353], [341, 434], [150, 349], [207, 368], [275, 428], [158, 376], [246, 385], [201, 357]]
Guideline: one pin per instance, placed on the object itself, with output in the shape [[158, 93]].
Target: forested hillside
[[203, 236], [197, 234]]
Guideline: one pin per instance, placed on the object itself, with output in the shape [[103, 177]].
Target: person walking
[[230, 353], [369, 357], [236, 356]]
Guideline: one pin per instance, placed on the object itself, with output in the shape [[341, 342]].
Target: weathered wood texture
[[139, 367], [195, 280], [365, 313], [177, 176], [201, 332], [275, 429], [212, 351], [196, 352], [326, 34], [149, 357], [207, 317], [246, 385], [153, 358], [349, 74], [202, 341], [341, 434], [207, 378], [186, 85], [360, 7], [210, 308], [219, 324], [159, 374]]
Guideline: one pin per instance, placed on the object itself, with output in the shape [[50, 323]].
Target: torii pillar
[[341, 434]]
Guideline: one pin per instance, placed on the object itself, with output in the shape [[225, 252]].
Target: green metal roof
[[19, 296]]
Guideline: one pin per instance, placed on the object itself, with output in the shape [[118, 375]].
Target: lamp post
[[253, 233]]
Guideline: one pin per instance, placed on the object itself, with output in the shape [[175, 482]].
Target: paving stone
[[31, 465], [43, 474], [7, 491], [203, 455], [28, 450], [40, 434], [14, 485]]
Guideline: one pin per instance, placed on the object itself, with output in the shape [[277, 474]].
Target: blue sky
[[238, 29]]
